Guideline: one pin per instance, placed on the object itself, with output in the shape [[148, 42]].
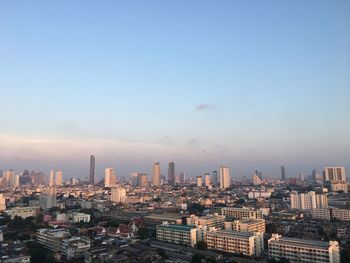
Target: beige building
[[225, 179], [110, 178], [246, 225], [156, 174], [177, 234], [335, 179], [303, 251], [24, 212], [207, 180], [340, 214], [214, 220], [118, 195], [239, 213], [248, 244], [59, 178], [321, 214]]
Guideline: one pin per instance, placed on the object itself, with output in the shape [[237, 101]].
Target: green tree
[[202, 245]]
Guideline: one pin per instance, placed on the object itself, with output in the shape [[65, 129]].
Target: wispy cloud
[[204, 106]]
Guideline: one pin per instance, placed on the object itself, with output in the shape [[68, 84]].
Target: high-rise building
[[207, 180], [59, 175], [142, 180], [92, 169], [110, 178], [118, 195], [134, 179], [156, 174], [225, 180], [214, 178], [308, 201], [283, 173], [52, 178], [171, 173], [199, 181], [335, 179]]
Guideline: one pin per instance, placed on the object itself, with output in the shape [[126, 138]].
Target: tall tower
[[156, 174], [92, 170], [171, 173], [52, 178], [225, 180], [59, 175], [283, 173]]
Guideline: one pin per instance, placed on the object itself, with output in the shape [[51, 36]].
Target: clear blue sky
[[248, 84]]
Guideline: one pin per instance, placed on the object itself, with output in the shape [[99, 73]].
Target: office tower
[[92, 169], [59, 175], [214, 178], [181, 177], [10, 178], [156, 174], [257, 179], [335, 179], [283, 173], [207, 180], [171, 173], [199, 181], [52, 178], [302, 178], [225, 180], [118, 195], [110, 178], [308, 201], [134, 179], [142, 180]]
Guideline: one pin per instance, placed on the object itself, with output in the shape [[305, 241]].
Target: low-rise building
[[24, 212], [177, 234], [302, 251], [239, 213], [246, 225], [75, 247], [248, 244], [52, 238], [340, 214], [321, 214], [210, 220]]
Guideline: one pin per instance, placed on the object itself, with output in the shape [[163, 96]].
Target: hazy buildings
[[214, 178], [171, 173], [142, 180], [11, 179], [110, 178], [207, 180], [181, 177], [301, 250], [199, 181], [156, 174], [225, 180], [92, 170], [257, 180]]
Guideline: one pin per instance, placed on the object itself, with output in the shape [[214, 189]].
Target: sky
[[246, 84]]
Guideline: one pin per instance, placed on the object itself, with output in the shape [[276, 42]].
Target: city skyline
[[249, 86]]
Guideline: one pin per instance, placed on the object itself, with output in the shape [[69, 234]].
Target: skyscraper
[[283, 173], [225, 180], [214, 178], [199, 181], [52, 178], [59, 175], [171, 173], [156, 174], [92, 169], [110, 178]]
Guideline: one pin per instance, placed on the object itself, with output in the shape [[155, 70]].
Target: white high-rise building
[[52, 178], [110, 178], [118, 195], [335, 179], [59, 175], [156, 174], [225, 180], [308, 201]]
